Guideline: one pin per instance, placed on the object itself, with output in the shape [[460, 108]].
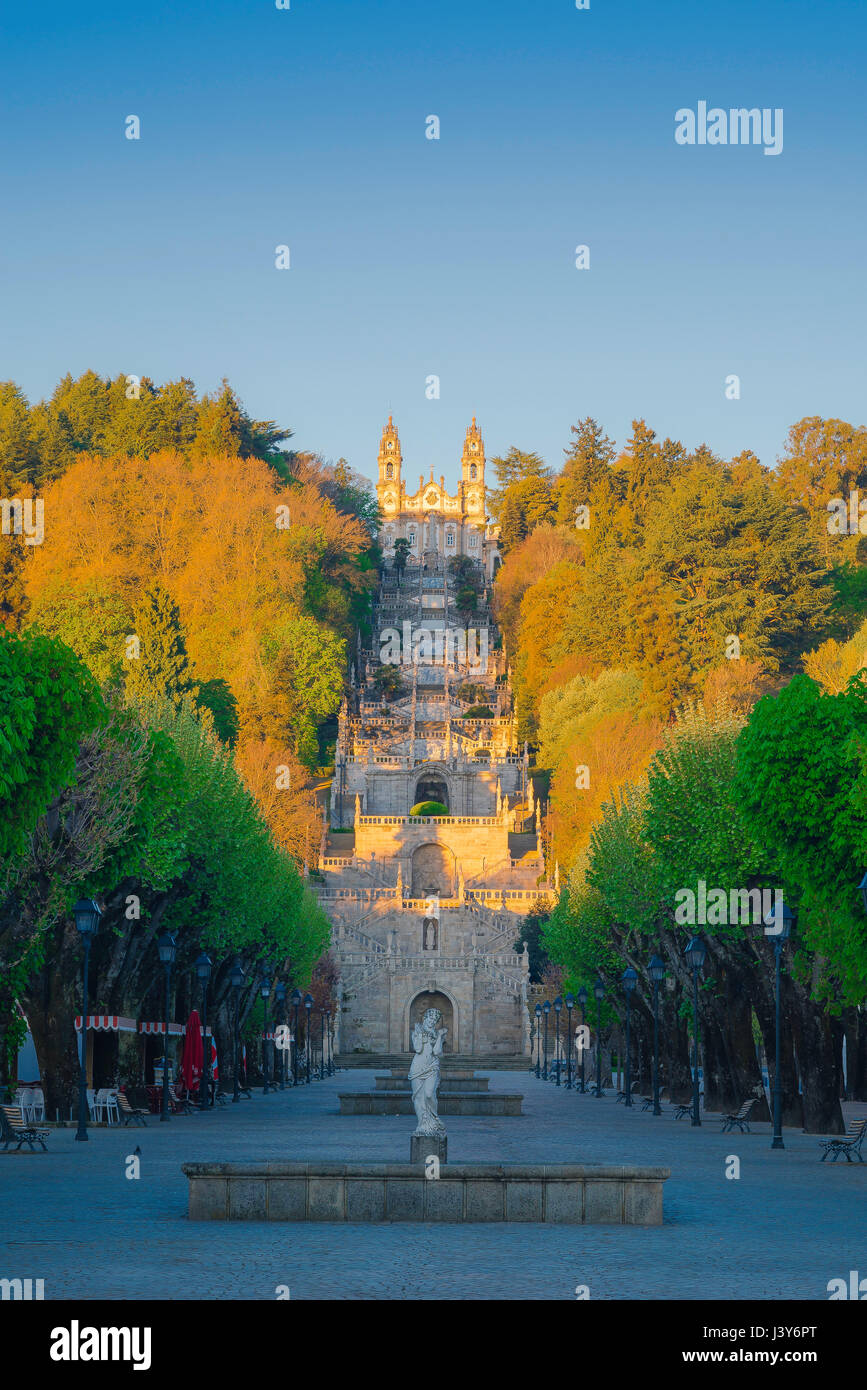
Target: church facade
[[433, 520]]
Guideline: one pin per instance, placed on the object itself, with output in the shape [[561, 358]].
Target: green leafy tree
[[162, 668], [517, 466], [93, 620], [401, 554], [48, 702], [525, 505]]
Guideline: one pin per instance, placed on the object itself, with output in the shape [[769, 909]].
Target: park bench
[[847, 1144], [647, 1101], [740, 1118], [681, 1108], [14, 1127], [128, 1112], [621, 1095]]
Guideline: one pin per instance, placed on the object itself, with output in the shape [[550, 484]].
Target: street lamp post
[[570, 1004], [779, 926], [657, 974], [236, 979], [599, 995], [629, 979], [203, 971], [328, 1071], [558, 1005], [695, 953], [168, 949], [296, 1004], [538, 1039], [280, 997], [308, 1005], [87, 914], [582, 1000], [546, 1009], [265, 992]]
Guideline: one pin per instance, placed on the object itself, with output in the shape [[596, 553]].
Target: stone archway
[[432, 786], [433, 999], [433, 872]]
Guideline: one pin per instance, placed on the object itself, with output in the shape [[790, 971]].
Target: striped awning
[[107, 1023]]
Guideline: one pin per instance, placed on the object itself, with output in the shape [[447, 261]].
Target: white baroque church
[[431, 519]]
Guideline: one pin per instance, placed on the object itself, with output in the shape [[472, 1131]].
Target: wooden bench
[[647, 1101], [129, 1113], [621, 1095], [847, 1144], [681, 1108], [14, 1128], [741, 1118]]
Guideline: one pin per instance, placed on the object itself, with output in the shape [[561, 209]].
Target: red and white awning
[[107, 1023]]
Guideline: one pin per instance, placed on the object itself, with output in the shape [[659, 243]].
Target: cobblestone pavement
[[782, 1230]]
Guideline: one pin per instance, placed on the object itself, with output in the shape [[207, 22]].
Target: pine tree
[[162, 668]]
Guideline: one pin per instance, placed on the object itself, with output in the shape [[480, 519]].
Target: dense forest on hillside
[[686, 635]]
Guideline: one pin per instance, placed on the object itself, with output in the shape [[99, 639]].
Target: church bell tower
[[473, 474], [389, 486]]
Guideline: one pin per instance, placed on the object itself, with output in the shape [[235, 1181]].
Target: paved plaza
[[780, 1231]]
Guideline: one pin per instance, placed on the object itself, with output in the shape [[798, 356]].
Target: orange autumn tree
[[244, 557]]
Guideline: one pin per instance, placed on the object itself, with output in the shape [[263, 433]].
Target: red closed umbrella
[[194, 1053]]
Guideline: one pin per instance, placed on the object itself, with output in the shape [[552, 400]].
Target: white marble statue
[[424, 1073]]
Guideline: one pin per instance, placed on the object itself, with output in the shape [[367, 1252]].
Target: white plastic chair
[[111, 1107], [37, 1104], [91, 1104], [27, 1105]]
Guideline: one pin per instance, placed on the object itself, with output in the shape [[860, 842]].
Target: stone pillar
[[425, 1146]]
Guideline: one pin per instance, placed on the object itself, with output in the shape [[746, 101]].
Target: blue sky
[[413, 257]]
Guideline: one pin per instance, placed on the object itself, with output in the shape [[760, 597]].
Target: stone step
[[450, 1072], [449, 1103], [456, 1084], [383, 1061]]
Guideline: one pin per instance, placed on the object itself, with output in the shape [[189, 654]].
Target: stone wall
[[563, 1193]]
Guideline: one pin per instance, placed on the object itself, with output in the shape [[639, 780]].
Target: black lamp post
[[695, 952], [538, 1040], [203, 971], [582, 1000], [87, 914], [327, 1042], [280, 997], [168, 949], [236, 979], [558, 1005], [656, 970], [779, 926], [628, 979], [308, 1005], [546, 1009], [570, 1004], [296, 1004], [599, 995], [265, 992]]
